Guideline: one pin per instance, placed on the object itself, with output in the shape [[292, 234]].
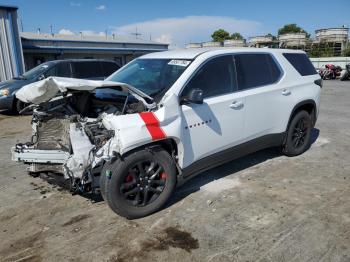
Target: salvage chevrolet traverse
[[169, 116]]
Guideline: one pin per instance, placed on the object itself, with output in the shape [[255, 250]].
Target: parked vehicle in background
[[330, 72], [345, 75], [175, 115], [76, 68]]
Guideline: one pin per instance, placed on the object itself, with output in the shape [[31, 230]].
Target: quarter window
[[215, 78], [301, 63], [255, 70]]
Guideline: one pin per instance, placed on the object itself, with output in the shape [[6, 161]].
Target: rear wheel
[[298, 134], [141, 183]]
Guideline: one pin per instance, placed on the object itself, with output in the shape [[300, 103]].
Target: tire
[[106, 172], [298, 134], [18, 105], [134, 179], [345, 76]]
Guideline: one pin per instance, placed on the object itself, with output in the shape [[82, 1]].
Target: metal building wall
[[11, 55]]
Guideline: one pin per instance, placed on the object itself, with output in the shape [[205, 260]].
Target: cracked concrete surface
[[263, 207]]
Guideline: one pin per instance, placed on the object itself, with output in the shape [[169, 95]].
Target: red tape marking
[[152, 124]]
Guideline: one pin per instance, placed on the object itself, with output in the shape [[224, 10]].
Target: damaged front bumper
[[73, 146]]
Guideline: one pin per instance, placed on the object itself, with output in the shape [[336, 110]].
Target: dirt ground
[[263, 207]]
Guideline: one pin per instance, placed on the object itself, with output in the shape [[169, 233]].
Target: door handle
[[286, 92], [236, 105]]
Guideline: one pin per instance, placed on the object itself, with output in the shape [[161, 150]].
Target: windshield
[[36, 71], [152, 76]]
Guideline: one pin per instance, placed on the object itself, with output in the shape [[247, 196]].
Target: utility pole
[[136, 34], [21, 21]]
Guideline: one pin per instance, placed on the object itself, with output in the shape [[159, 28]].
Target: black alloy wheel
[[298, 136], [143, 183], [139, 184]]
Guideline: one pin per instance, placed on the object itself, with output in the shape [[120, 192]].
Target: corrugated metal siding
[[11, 56]]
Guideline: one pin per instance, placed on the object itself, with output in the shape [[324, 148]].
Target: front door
[[218, 123]]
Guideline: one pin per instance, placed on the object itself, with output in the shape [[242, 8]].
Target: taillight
[[319, 82]]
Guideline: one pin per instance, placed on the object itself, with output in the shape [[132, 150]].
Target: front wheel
[[298, 134], [140, 183], [18, 106]]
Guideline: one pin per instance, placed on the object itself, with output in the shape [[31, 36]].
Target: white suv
[[165, 117]]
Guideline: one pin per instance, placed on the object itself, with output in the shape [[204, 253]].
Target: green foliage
[[321, 51], [236, 36], [346, 51], [220, 35], [292, 28], [271, 35]]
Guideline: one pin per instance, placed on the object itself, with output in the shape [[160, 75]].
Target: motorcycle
[[346, 73], [330, 72]]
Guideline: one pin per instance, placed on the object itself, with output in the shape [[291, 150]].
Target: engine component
[[97, 133]]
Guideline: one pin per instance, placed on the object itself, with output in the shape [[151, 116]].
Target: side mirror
[[194, 97], [41, 77]]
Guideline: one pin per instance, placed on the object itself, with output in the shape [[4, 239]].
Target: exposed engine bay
[[69, 136]]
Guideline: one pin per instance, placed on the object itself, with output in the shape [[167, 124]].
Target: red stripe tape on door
[[152, 125]]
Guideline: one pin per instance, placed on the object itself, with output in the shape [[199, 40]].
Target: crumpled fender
[[135, 130]]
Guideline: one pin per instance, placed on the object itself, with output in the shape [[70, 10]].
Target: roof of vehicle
[[192, 53]]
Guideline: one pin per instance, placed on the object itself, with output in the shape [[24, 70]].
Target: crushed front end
[[67, 145], [69, 134]]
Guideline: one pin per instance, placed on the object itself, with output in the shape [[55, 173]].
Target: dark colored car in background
[[76, 68]]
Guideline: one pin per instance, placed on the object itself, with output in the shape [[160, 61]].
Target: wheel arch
[[168, 144], [309, 106]]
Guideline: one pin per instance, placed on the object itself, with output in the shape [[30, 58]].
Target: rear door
[[88, 70], [217, 124], [267, 102]]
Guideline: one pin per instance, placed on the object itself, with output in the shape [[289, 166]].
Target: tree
[[220, 35], [236, 36], [346, 51], [271, 35], [292, 28]]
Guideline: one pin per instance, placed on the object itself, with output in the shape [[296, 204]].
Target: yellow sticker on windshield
[[179, 62]]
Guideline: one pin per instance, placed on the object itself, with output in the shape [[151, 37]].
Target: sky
[[178, 22]]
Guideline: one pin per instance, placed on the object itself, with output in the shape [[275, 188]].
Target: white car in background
[[169, 116]]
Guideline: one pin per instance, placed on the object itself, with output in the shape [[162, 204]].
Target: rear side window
[[254, 70], [109, 68], [301, 63], [215, 78], [88, 70], [63, 70]]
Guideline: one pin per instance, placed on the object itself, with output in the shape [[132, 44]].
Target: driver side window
[[215, 78]]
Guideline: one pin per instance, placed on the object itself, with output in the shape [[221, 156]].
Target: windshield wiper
[[140, 93]]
